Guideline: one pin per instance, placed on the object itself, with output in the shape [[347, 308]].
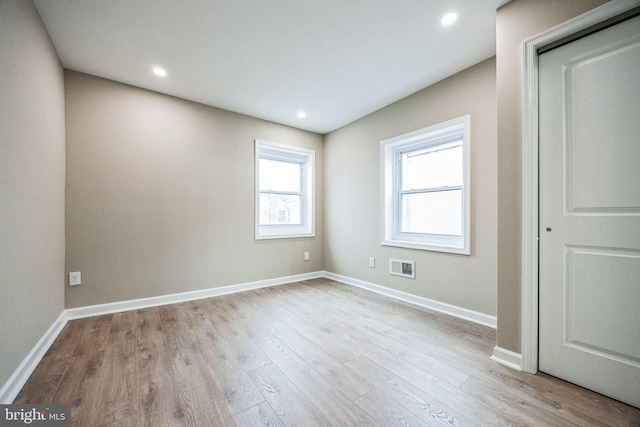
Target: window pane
[[432, 213], [279, 176], [432, 167], [279, 209]]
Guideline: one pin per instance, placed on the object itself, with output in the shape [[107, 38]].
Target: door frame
[[531, 163]]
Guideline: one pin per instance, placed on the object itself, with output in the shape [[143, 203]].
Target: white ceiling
[[338, 60]]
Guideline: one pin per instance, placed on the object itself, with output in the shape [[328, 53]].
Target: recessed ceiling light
[[301, 114], [449, 18], [160, 72]]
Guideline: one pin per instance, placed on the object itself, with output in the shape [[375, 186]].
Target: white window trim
[[275, 151], [389, 222]]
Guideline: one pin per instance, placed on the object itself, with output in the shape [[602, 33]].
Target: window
[[425, 188], [284, 191]]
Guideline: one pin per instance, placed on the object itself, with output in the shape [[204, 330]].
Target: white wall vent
[[402, 268]]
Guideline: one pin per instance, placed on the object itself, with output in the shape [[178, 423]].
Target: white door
[[589, 112]]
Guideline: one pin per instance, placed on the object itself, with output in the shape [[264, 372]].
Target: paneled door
[[589, 115]]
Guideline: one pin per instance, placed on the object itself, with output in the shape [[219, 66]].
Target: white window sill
[[442, 247]]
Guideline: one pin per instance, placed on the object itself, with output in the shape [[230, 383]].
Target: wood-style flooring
[[314, 353]]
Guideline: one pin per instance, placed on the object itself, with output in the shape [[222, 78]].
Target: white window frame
[[306, 159], [390, 150]]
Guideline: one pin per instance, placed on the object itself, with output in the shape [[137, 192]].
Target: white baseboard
[[20, 376], [136, 304], [463, 313], [16, 381], [507, 358]]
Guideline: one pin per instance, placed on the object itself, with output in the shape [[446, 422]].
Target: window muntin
[[425, 188], [284, 191]]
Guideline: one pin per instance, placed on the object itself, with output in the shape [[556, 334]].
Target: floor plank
[[310, 353], [239, 391], [337, 408], [198, 401], [261, 415], [118, 384], [342, 378], [429, 409], [387, 411], [286, 400], [156, 399], [244, 349]]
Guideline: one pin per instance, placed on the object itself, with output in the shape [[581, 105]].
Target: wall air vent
[[399, 267]]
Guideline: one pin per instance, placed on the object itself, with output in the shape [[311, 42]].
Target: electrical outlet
[[75, 278], [372, 262], [306, 256]]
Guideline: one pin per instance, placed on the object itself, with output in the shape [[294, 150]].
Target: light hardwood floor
[[305, 354]]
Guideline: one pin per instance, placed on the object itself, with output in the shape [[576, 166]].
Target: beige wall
[[160, 195], [352, 194], [31, 183], [516, 22]]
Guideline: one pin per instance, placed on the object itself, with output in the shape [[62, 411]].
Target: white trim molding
[[136, 304], [16, 381], [306, 161], [530, 164], [452, 310], [507, 358], [446, 134]]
